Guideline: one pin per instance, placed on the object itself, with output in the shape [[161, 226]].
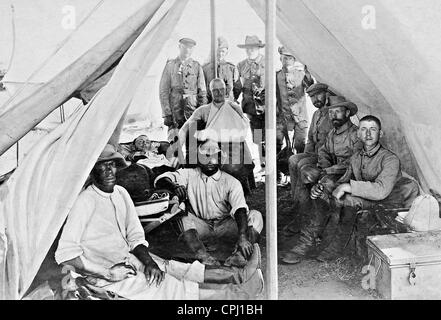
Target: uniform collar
[[189, 60], [102, 193], [344, 127], [215, 176], [371, 153]]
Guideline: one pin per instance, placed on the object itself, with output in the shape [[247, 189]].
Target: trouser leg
[[300, 133]]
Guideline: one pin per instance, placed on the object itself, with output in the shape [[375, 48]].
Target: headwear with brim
[[188, 42], [251, 42], [209, 148], [284, 51], [109, 153], [339, 101], [316, 88], [222, 43]]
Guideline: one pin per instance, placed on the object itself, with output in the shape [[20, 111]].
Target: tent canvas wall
[[391, 70]]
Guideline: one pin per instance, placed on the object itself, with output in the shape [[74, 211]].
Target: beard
[[337, 123]]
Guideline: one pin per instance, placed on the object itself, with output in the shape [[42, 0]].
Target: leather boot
[[191, 239]]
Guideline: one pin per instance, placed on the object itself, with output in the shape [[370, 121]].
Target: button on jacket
[[334, 156]]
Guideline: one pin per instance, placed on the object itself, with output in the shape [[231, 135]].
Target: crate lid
[[405, 248]]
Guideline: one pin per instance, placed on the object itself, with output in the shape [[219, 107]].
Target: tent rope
[[57, 49]]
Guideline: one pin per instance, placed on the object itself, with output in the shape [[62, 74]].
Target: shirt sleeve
[[235, 196], [134, 232], [69, 245], [181, 177], [381, 188]]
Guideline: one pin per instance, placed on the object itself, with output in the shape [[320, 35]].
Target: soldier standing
[[252, 79], [226, 71], [182, 88]]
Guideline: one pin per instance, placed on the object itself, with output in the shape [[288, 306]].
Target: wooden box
[[407, 265]]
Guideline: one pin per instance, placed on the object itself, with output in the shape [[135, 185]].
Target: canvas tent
[[390, 70]]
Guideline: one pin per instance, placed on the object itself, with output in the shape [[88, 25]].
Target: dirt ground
[[308, 280]]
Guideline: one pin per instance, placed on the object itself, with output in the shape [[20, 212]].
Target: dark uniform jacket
[[335, 154], [319, 129], [251, 72]]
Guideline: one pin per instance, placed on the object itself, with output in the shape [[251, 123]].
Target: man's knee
[[255, 220]]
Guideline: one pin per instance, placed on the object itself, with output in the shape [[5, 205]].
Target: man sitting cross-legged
[[218, 209], [373, 178], [103, 240]]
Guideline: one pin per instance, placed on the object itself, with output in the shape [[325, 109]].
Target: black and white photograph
[[236, 151]]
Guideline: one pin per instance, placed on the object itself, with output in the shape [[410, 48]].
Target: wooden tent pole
[[270, 169], [213, 36]]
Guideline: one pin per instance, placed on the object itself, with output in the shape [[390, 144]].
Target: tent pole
[[270, 145], [213, 36]]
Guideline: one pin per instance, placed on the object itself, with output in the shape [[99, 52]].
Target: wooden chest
[[407, 265]]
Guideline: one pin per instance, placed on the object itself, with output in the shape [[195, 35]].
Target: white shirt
[[103, 227], [211, 197]]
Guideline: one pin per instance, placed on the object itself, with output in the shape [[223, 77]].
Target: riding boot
[[191, 239], [309, 234]]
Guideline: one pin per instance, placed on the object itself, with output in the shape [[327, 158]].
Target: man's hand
[[245, 246], [120, 271], [153, 274], [316, 191], [341, 190], [168, 121], [181, 192]]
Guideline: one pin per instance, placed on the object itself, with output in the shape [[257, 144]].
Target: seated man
[[104, 240], [223, 121], [217, 207], [333, 160], [318, 131], [373, 177]]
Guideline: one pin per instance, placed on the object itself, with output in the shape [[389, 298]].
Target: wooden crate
[[407, 265]]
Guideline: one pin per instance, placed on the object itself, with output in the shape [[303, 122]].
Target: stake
[[270, 169], [213, 36]]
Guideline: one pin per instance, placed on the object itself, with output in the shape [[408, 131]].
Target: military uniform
[[333, 158], [291, 106], [225, 71], [252, 76], [375, 178], [319, 129], [182, 89]]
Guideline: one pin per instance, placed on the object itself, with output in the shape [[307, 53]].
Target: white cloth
[[104, 228], [210, 197]]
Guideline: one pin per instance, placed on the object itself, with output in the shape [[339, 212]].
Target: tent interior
[[384, 58]]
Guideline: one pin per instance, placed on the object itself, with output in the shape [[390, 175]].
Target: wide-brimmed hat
[[316, 88], [222, 43], [284, 51], [188, 42], [339, 101], [109, 153], [251, 42]]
